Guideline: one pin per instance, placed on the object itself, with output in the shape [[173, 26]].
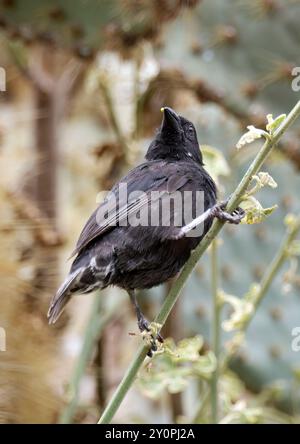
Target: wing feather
[[151, 179]]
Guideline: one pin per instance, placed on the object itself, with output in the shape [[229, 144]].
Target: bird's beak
[[171, 121]]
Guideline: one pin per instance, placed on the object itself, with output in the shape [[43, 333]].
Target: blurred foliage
[[85, 82], [84, 26], [173, 367]]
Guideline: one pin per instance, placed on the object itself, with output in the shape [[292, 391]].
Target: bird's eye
[[191, 129]]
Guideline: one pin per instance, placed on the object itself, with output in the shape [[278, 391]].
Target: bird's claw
[[219, 211], [238, 214], [150, 332]]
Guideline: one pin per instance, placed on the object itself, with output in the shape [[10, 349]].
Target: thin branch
[[31, 68], [216, 325], [64, 85], [39, 76], [174, 293]]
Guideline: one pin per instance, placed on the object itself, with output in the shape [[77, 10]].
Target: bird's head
[[176, 139]]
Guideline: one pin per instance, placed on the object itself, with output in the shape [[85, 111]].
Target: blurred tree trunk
[[44, 188], [52, 77], [44, 179]]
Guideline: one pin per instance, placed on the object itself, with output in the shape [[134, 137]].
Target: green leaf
[[205, 365], [172, 369], [265, 179], [215, 162], [241, 414], [272, 124], [189, 349], [242, 308], [255, 213], [156, 381], [251, 135]]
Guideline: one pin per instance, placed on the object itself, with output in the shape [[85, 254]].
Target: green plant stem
[[174, 293], [264, 286], [124, 386], [216, 325], [95, 326]]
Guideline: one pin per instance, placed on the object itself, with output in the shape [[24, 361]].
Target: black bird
[[111, 252]]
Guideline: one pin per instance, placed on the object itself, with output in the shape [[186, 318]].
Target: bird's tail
[[62, 297]]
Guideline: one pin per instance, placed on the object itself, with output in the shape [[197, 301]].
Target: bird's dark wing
[[161, 176]]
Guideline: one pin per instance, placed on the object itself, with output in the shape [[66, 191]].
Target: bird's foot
[[150, 333], [219, 211]]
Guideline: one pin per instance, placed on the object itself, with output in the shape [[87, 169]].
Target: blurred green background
[[85, 80]]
